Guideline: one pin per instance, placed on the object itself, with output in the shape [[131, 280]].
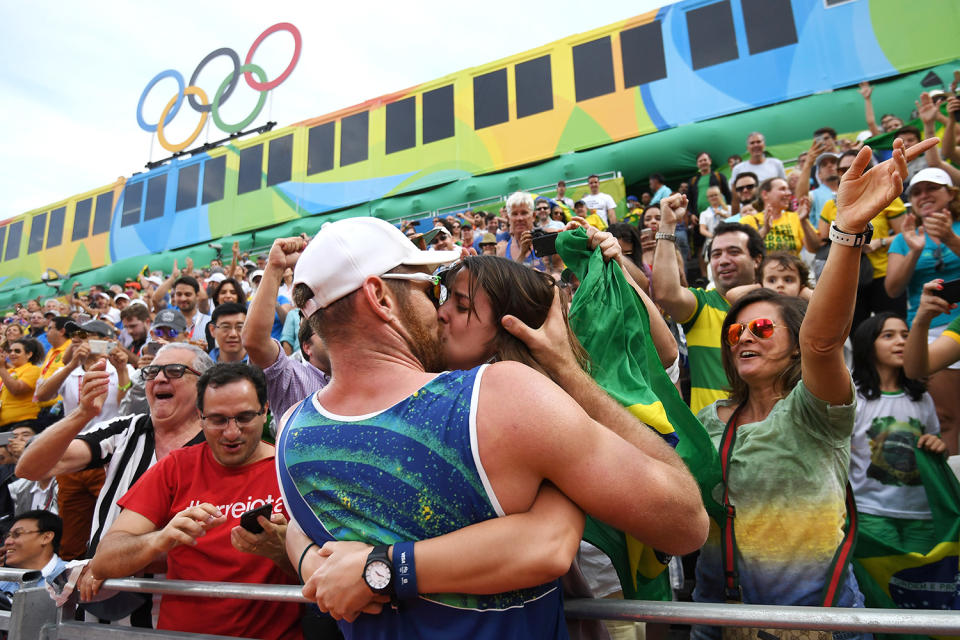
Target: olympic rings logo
[[198, 100]]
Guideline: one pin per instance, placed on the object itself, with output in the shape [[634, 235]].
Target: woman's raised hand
[[862, 195], [913, 236]]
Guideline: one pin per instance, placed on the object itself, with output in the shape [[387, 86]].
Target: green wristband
[[302, 556]]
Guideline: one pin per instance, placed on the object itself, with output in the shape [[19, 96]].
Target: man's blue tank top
[[410, 472]]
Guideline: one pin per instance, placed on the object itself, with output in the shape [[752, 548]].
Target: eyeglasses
[[228, 328], [762, 328], [243, 419], [165, 332], [19, 351], [938, 256], [15, 534], [543, 208], [745, 187], [171, 371], [437, 293]]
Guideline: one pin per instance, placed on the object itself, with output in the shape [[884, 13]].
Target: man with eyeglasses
[[227, 327], [126, 445], [168, 326], [188, 508], [745, 195], [541, 211], [33, 543]]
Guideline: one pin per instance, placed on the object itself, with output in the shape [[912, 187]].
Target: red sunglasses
[[762, 328]]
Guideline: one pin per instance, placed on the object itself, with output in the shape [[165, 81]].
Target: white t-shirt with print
[[883, 467]]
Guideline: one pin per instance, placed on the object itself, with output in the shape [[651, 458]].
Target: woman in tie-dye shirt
[[792, 404]]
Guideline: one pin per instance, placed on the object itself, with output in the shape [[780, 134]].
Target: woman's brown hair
[[517, 290]]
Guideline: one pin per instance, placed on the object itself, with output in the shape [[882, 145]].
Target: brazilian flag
[[611, 321], [892, 576]]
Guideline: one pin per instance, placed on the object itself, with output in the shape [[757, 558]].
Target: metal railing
[[33, 618], [926, 622]]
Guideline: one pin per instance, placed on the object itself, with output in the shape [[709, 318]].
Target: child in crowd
[[782, 272], [895, 415]]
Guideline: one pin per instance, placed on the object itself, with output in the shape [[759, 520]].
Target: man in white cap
[[389, 453]]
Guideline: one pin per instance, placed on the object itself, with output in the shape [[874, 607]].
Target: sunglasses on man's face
[[746, 187], [168, 333], [437, 292], [762, 328]]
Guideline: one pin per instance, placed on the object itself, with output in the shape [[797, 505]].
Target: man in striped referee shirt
[[128, 445]]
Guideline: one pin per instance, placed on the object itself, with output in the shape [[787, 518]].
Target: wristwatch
[[663, 235], [850, 239], [378, 571]]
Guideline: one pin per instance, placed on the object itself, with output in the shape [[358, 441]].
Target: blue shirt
[[819, 197], [661, 193], [926, 270], [276, 332]]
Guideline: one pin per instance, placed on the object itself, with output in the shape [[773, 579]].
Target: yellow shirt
[[16, 408], [785, 233], [881, 229], [51, 364]]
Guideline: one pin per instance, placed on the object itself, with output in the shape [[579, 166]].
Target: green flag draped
[[891, 576], [611, 321]]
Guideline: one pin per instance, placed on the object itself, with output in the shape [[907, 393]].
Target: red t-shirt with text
[[190, 476]]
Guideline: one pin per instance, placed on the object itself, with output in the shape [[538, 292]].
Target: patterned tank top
[[407, 473]]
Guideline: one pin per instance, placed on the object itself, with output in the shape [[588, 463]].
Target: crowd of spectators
[[144, 413]]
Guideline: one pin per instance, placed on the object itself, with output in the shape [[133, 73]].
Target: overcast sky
[[71, 73]]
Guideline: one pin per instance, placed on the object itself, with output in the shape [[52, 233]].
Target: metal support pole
[[32, 609]]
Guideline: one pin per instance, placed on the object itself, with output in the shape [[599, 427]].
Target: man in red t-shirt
[[180, 506]]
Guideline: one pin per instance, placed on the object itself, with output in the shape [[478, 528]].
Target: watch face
[[377, 574]]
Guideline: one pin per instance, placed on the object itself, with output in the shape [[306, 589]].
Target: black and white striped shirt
[[126, 447]]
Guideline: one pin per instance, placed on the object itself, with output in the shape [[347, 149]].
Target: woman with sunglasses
[[19, 372], [780, 228], [784, 433]]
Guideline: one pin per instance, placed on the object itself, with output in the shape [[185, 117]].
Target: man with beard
[[735, 255], [186, 290], [136, 326], [388, 453]]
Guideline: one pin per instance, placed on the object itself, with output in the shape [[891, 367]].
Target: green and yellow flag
[[893, 576], [611, 321]]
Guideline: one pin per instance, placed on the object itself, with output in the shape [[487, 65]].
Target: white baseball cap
[[345, 253], [931, 174], [217, 277]]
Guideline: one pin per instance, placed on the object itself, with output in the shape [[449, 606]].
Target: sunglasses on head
[[437, 293], [165, 332], [171, 371], [762, 328]]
